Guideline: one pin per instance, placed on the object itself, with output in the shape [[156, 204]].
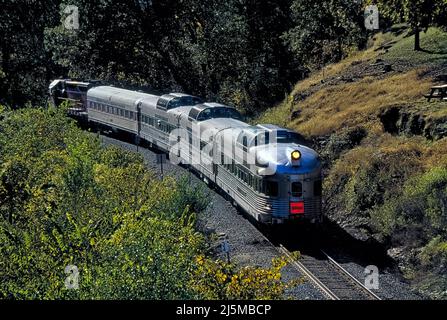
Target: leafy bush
[[65, 200], [219, 280], [368, 176], [422, 206]]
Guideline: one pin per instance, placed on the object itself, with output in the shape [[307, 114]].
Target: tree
[[323, 30], [25, 66], [419, 14]]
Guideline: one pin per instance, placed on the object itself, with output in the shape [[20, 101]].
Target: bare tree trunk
[[417, 32], [417, 39]]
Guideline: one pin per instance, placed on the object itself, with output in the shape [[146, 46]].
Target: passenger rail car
[[265, 170]]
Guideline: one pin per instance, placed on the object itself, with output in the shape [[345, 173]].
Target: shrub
[[65, 200]]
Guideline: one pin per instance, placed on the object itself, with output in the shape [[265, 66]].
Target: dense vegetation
[[67, 200], [243, 52]]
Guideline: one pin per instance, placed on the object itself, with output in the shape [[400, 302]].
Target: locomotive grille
[[312, 207]]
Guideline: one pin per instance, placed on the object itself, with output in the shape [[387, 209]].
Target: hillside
[[384, 147]]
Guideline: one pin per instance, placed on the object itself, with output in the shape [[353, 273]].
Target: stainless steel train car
[[264, 169]]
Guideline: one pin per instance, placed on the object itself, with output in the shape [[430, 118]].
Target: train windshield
[[289, 137], [219, 112], [184, 102]]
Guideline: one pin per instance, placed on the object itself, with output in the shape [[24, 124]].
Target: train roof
[[126, 97]]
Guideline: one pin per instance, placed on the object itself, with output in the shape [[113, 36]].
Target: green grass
[[433, 43]]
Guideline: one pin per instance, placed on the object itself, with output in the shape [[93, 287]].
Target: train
[[265, 170]]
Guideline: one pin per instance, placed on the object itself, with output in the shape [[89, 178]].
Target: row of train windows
[[113, 110], [159, 124], [269, 188]]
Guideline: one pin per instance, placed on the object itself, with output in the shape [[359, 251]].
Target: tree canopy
[[241, 52]]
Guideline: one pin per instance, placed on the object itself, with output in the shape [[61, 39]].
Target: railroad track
[[330, 277]]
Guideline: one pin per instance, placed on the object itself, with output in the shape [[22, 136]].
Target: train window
[[103, 108], [271, 188], [131, 116], [193, 114], [318, 188], [289, 137], [233, 114], [162, 103], [204, 115], [262, 139], [126, 114], [297, 189], [121, 112]]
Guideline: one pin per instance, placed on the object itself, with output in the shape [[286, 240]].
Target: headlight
[[296, 155]]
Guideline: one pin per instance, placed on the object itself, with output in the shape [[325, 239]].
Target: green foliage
[[434, 253], [366, 177], [66, 200], [341, 142], [25, 65], [325, 30], [421, 208], [245, 53]]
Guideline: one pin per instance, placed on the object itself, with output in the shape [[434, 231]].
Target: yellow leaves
[[219, 280], [200, 260]]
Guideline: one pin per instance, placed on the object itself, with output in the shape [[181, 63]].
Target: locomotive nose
[[285, 158]]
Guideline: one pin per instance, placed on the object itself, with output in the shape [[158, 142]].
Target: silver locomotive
[[264, 169]]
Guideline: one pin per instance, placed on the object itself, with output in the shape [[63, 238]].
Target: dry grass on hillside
[[352, 104], [331, 107]]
